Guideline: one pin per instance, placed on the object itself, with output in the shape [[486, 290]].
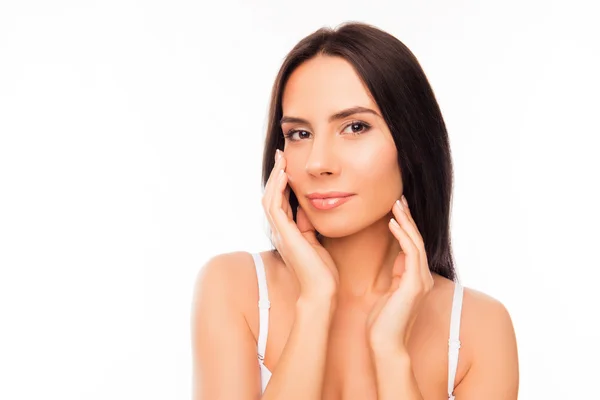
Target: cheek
[[376, 167], [378, 180]]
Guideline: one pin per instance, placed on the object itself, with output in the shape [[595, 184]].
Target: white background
[[130, 153]]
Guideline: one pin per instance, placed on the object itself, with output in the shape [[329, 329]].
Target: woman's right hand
[[297, 243]]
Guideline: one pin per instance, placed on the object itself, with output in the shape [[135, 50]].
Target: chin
[[335, 233], [336, 227], [345, 224]]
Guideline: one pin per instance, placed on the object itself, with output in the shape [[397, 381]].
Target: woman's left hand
[[390, 321]]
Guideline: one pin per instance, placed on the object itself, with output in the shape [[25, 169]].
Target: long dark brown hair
[[402, 92]]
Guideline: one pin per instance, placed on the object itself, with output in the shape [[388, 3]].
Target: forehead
[[322, 86]]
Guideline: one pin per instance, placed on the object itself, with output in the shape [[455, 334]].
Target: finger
[[280, 217], [411, 252], [407, 223], [425, 265], [288, 230], [278, 196], [266, 201], [275, 202], [272, 181], [415, 282], [405, 220], [405, 203], [273, 173], [285, 200]]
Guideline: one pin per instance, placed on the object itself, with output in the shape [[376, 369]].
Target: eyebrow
[[339, 115]]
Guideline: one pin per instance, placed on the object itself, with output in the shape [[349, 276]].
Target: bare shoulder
[[231, 279], [223, 345], [231, 274], [489, 343], [485, 318]]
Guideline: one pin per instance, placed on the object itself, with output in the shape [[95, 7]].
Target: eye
[[291, 132], [356, 127]]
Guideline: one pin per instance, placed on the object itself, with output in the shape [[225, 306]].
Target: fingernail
[[276, 155], [404, 201], [400, 206]]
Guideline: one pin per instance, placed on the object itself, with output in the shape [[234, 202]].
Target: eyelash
[[366, 126]]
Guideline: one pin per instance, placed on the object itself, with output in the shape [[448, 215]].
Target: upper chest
[[349, 369]]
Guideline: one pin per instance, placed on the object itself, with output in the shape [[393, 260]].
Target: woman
[[359, 299]]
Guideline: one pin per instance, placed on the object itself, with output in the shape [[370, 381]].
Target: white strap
[[454, 341], [263, 304]]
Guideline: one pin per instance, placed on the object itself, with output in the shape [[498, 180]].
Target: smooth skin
[[359, 315]]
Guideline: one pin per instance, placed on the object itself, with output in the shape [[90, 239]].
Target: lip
[[327, 203], [328, 195]]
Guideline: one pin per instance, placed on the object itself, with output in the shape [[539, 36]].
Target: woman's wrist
[[315, 305], [386, 356]]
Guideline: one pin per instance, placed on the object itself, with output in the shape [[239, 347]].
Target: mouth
[[330, 202]]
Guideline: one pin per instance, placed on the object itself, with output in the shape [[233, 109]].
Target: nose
[[322, 158]]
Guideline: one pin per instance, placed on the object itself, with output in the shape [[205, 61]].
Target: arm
[[300, 369], [494, 371], [225, 365], [392, 318], [395, 377]]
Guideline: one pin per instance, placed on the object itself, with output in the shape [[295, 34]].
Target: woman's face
[[353, 153]]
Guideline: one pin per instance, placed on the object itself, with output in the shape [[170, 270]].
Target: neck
[[364, 260]]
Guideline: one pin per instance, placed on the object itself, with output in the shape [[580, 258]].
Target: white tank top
[[263, 327]]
